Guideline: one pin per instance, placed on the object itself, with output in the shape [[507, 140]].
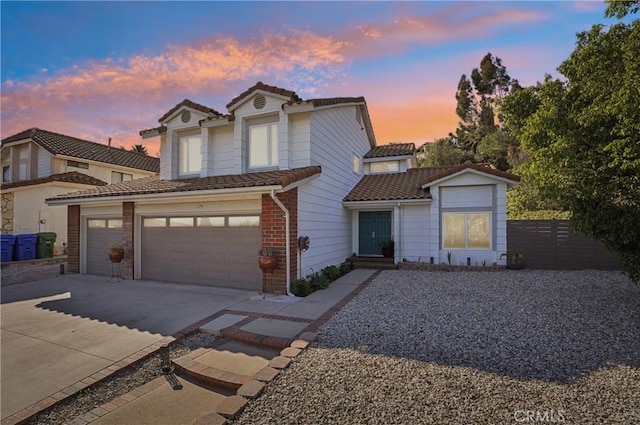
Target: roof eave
[[386, 202], [182, 196], [508, 181]]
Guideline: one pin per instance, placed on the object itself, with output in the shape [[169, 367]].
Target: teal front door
[[375, 228]]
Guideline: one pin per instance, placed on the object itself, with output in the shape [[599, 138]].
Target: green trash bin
[[44, 248]]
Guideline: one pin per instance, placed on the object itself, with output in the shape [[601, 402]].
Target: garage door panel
[[220, 256], [99, 241]]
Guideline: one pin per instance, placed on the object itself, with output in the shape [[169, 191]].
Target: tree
[[583, 137], [139, 149], [441, 153], [478, 103], [620, 8]]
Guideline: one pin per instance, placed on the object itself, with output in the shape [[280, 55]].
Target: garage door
[[101, 233], [212, 250]]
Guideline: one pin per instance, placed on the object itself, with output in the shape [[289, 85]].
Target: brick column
[[128, 215], [274, 237], [73, 238]]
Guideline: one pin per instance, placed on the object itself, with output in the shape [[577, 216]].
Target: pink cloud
[[116, 98]]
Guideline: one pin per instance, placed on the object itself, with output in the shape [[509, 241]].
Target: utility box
[[25, 247], [44, 249], [7, 247]]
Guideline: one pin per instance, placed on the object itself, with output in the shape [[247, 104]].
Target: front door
[[375, 228]]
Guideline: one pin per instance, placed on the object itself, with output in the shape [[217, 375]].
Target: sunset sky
[[96, 70]]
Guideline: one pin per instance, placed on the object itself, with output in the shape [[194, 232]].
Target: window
[[356, 164], [244, 221], [210, 221], [181, 222], [6, 173], [114, 223], [117, 177], [23, 162], [190, 155], [263, 146], [384, 167], [466, 230], [77, 164], [155, 222], [97, 224]]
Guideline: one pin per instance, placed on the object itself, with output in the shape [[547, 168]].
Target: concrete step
[[231, 365], [377, 263]]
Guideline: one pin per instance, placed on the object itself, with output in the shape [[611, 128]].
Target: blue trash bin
[[25, 247], [7, 247]]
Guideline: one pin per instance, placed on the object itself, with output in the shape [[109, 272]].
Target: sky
[[96, 70]]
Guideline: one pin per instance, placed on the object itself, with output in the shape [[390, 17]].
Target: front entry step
[[230, 365], [377, 263]]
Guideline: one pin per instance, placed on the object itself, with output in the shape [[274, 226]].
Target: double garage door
[[206, 250]]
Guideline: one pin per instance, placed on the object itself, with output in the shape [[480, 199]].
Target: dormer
[[393, 158], [183, 144]]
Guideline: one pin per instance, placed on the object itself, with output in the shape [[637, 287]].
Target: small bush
[[332, 272]]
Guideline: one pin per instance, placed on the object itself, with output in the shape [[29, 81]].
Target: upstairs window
[[77, 164], [117, 177], [6, 173], [384, 167], [263, 146], [23, 162], [190, 155]]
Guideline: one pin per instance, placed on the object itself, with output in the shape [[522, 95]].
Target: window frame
[[395, 163], [273, 156], [189, 172], [77, 164], [122, 177], [466, 215]]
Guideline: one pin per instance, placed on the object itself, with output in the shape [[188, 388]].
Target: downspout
[[288, 237]]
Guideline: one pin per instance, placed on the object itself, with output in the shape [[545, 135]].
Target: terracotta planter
[[267, 263], [116, 255], [387, 253]]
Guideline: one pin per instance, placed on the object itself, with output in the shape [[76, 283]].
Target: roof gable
[[60, 144], [189, 104], [70, 177], [288, 95], [452, 172]]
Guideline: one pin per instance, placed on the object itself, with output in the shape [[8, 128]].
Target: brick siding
[[274, 238], [128, 215], [73, 238]]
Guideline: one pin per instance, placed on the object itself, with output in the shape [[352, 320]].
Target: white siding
[[335, 137], [414, 233], [299, 140], [221, 151], [466, 196], [44, 162]]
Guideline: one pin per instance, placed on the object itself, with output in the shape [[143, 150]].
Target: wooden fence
[[548, 244]]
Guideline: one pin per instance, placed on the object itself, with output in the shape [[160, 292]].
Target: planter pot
[[387, 253], [267, 263], [517, 264], [116, 255]]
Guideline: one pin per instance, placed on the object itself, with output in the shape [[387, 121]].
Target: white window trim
[[272, 163], [466, 231], [196, 173], [372, 171]]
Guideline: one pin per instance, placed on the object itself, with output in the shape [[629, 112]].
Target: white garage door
[[212, 250], [101, 233]]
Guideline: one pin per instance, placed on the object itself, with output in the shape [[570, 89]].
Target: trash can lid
[[47, 236]]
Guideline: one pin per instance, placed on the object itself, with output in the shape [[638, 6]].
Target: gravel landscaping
[[29, 271], [470, 347]]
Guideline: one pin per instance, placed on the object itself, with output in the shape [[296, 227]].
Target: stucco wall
[[7, 213]]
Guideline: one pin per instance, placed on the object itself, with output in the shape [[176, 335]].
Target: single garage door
[[212, 250], [101, 233]]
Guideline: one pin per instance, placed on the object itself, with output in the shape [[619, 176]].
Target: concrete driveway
[[56, 332]]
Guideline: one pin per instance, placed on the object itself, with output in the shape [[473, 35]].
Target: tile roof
[[70, 177], [59, 144], [396, 149], [160, 130], [485, 168], [192, 105], [408, 185], [154, 185], [261, 86], [392, 186]]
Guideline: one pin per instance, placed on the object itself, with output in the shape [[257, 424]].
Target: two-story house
[[39, 164], [270, 170]]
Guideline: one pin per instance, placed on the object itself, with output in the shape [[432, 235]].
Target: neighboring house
[[272, 169], [39, 164]]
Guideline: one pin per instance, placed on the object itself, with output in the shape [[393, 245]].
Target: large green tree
[[442, 152], [583, 137], [480, 130]]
